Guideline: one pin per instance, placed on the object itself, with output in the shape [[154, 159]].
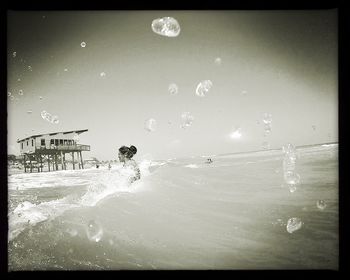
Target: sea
[[235, 213]]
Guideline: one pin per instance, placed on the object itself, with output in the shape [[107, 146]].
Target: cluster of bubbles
[[173, 89], [150, 125], [294, 224], [166, 26], [50, 118], [289, 161], [94, 231], [203, 87], [187, 119]]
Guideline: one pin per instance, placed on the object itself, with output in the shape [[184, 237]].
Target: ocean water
[[182, 214]]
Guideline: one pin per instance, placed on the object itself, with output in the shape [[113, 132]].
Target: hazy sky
[[278, 62]]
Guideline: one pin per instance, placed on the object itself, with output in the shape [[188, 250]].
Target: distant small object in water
[[97, 165], [209, 160]]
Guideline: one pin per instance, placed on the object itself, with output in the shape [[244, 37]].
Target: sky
[[284, 63]]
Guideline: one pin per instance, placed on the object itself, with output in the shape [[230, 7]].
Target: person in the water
[[125, 155]]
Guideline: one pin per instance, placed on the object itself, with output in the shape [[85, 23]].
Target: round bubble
[[94, 231], [40, 97], [9, 94], [187, 119], [291, 178], [292, 188], [83, 44], [321, 204], [20, 92], [173, 89], [65, 70], [166, 26], [12, 97], [150, 125], [203, 87], [294, 224], [103, 74]]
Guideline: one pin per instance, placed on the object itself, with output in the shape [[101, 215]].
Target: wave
[[99, 184]]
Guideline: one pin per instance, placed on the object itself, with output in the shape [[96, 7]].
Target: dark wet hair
[[128, 152]]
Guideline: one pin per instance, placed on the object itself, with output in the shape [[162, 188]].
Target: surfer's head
[[126, 152]]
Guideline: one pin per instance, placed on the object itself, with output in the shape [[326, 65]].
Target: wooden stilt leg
[[48, 162], [82, 163], [73, 160]]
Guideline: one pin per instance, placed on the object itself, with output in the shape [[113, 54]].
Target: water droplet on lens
[[166, 26], [294, 224], [173, 89], [291, 178], [321, 204], [187, 119], [217, 61], [203, 87], [150, 125], [94, 231]]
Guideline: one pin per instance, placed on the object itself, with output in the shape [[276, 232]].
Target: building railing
[[76, 147]]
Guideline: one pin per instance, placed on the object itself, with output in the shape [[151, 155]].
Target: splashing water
[[150, 125], [294, 224], [203, 87], [166, 26], [187, 119], [173, 89]]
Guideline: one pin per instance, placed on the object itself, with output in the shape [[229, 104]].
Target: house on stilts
[[51, 149]]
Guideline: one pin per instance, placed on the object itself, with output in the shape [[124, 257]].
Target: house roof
[[54, 133]]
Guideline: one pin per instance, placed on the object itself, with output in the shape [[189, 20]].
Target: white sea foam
[[100, 185]]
